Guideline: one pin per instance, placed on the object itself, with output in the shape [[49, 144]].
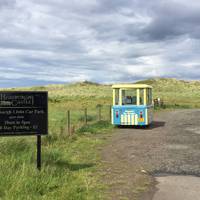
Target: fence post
[[68, 122], [110, 112], [85, 115], [99, 113]]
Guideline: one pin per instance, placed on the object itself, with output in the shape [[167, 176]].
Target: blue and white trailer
[[132, 104]]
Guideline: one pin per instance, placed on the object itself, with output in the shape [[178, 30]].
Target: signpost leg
[[39, 152]]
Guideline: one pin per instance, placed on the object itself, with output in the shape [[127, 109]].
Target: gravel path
[[134, 155]]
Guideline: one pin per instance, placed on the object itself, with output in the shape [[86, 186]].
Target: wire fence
[[67, 122]]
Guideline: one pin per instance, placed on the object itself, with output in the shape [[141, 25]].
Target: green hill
[[174, 91], [84, 94]]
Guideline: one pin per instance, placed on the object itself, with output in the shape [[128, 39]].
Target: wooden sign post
[[24, 114], [39, 152]]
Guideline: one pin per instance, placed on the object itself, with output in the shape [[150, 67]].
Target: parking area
[[135, 156]]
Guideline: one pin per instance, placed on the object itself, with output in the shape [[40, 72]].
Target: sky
[[105, 41]]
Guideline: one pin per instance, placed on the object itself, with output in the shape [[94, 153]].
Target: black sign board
[[23, 113]]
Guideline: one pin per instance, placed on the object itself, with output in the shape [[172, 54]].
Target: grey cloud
[[171, 20], [7, 3], [104, 41], [106, 7]]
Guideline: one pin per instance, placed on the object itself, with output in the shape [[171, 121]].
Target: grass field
[[70, 164], [177, 93], [67, 168]]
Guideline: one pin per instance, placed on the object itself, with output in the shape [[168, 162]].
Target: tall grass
[[176, 92], [69, 164], [66, 171]]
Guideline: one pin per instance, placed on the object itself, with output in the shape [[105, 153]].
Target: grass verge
[[68, 166]]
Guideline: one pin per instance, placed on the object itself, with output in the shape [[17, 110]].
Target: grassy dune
[[70, 164], [172, 91], [177, 92]]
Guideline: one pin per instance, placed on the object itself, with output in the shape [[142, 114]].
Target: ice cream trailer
[[132, 104]]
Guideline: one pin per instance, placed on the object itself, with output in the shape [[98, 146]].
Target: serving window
[[129, 97], [132, 96], [141, 97], [116, 96], [149, 96]]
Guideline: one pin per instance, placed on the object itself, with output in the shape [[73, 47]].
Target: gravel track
[[134, 155]]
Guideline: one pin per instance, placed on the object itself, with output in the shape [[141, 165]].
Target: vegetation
[[70, 164], [67, 168], [176, 93]]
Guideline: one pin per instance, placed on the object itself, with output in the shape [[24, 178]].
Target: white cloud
[[98, 40]]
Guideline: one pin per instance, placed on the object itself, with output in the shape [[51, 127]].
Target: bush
[[95, 128]]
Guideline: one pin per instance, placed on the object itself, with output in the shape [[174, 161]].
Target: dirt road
[[134, 155]]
